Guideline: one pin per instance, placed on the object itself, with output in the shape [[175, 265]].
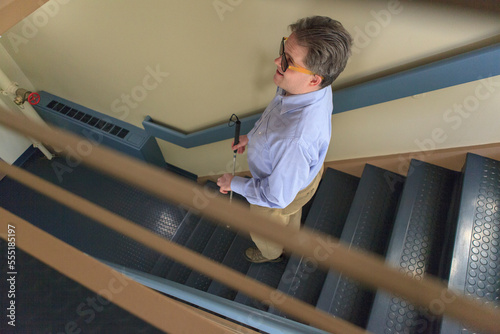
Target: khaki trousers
[[291, 216]]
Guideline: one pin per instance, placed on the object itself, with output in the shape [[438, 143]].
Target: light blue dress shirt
[[287, 147]]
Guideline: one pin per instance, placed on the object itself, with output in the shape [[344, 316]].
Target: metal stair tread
[[216, 249], [414, 248], [235, 259], [266, 273], [180, 237], [371, 215], [196, 242], [80, 231], [475, 256], [302, 278]]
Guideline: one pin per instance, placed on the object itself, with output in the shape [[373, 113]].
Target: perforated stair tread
[[197, 241], [216, 250], [475, 258], [130, 202], [415, 247], [367, 227], [302, 278], [81, 232]]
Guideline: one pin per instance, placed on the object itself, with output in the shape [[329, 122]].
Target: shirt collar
[[292, 102]]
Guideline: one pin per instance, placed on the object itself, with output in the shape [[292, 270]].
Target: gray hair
[[328, 44]]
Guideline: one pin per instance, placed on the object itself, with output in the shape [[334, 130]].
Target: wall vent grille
[[80, 116], [100, 128]]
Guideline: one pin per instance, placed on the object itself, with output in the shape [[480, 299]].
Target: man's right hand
[[241, 145]]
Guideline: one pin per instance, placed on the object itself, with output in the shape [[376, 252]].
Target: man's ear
[[315, 81]]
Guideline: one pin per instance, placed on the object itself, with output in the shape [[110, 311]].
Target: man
[[288, 144]]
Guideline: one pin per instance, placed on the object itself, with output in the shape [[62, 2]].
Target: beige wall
[[215, 58], [463, 115]]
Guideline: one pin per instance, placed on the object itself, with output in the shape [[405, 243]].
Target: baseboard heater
[[111, 132]]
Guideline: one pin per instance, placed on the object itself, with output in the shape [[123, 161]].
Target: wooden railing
[[13, 11]]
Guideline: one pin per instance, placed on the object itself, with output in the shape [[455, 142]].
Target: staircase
[[434, 221]]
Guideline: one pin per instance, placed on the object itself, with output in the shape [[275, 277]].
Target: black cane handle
[[237, 134]]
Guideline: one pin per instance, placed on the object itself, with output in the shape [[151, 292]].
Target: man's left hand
[[224, 182]]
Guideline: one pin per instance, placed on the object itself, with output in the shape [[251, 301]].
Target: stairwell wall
[[191, 66]]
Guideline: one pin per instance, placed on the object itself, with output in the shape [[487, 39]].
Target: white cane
[[236, 141]]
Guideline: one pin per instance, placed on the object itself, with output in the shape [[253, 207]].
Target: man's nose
[[277, 61]]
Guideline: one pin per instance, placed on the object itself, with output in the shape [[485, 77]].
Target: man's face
[[294, 82]]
